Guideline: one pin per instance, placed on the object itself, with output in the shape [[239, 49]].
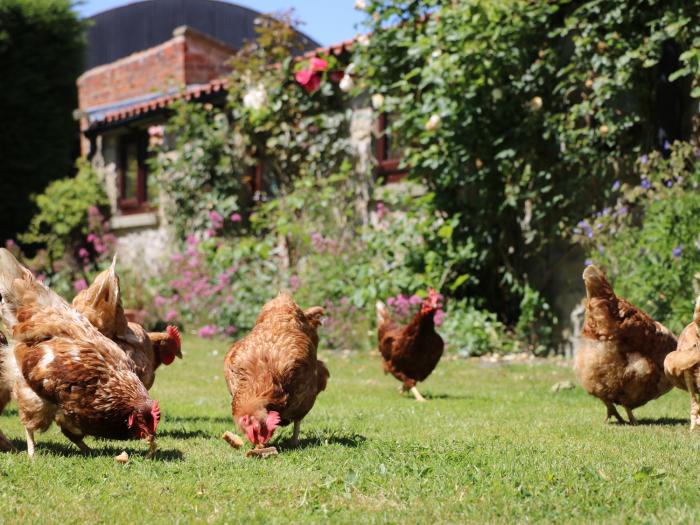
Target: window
[[388, 152], [134, 187]]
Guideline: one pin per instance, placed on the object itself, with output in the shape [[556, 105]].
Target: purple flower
[[587, 262], [624, 210], [236, 217], [669, 183], [616, 185], [644, 159], [601, 249], [159, 301], [677, 251], [230, 330], [79, 285], [192, 240], [697, 153], [170, 316], [83, 253], [294, 283], [208, 331], [667, 145], [646, 183]]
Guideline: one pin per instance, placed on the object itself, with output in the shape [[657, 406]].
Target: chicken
[[682, 366], [273, 373], [410, 352], [101, 304], [5, 395], [62, 368], [621, 359]]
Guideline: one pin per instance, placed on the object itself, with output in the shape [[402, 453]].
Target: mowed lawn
[[493, 445]]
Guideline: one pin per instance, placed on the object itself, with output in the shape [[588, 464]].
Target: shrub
[[648, 241], [41, 55]]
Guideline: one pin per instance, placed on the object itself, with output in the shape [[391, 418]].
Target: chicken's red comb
[[155, 412], [174, 334]]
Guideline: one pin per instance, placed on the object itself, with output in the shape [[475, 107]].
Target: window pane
[[131, 171], [391, 148], [152, 188]]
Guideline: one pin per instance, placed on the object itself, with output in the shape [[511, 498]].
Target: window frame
[[139, 203], [387, 168]]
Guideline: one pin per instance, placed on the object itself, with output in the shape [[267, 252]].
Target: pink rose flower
[[170, 316], [83, 253], [308, 79], [318, 64], [236, 217]]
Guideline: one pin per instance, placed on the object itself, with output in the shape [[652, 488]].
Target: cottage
[[128, 89]]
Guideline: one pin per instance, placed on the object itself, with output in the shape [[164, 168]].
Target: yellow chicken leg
[[417, 394]]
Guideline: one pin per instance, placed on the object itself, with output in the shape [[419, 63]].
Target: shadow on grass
[[10, 412], [198, 419], [67, 450], [663, 421], [326, 437], [185, 434], [430, 396]]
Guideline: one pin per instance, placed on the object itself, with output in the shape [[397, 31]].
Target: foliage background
[[41, 56]]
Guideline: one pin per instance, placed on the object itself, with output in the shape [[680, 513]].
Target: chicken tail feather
[[382, 313], [597, 285], [16, 285]]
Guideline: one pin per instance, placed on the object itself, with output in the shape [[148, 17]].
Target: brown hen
[[62, 368], [101, 304], [682, 366], [410, 352], [621, 360], [273, 373]]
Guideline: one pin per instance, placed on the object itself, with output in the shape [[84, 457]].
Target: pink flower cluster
[[309, 78], [404, 307], [323, 244], [195, 290], [100, 239]]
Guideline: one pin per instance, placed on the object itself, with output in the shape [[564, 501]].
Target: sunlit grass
[[493, 444]]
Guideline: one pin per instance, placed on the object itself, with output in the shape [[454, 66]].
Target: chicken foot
[[612, 412], [417, 394], [295, 435], [77, 441], [694, 407]]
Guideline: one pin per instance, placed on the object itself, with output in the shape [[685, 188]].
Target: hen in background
[[410, 352], [621, 361], [682, 366], [101, 304], [273, 373]]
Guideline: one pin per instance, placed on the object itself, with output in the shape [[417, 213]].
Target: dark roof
[[119, 32]]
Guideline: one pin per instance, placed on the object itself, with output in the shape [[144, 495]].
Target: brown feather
[[275, 367], [621, 360], [410, 352]]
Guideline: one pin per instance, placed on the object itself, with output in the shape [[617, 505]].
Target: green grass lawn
[[493, 444]]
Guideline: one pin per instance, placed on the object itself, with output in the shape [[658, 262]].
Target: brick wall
[[188, 58]]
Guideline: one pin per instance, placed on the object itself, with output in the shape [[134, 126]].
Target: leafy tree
[[41, 56], [520, 115]]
